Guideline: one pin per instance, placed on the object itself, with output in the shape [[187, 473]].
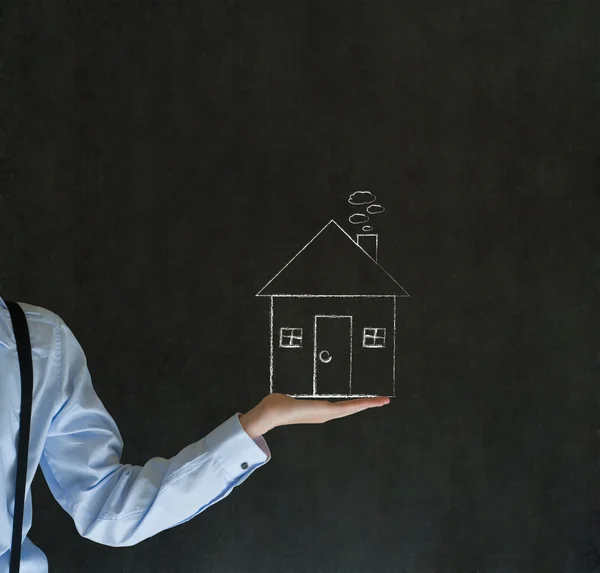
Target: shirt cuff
[[235, 451]]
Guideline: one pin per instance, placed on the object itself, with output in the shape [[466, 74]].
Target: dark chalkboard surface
[[162, 161]]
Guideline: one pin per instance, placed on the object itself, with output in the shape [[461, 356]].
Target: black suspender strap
[[21, 331]]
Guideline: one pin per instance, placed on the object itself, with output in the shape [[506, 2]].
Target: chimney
[[368, 242]]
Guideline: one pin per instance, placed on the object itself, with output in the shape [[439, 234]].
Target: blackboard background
[[161, 160]]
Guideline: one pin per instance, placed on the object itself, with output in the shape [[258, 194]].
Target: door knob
[[324, 356]]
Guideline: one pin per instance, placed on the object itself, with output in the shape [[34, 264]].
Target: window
[[374, 337], [290, 337]]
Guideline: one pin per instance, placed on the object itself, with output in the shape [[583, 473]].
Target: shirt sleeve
[[121, 504]]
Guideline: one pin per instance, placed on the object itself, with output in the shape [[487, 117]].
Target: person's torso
[[43, 333]]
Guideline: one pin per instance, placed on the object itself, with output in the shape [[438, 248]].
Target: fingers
[[349, 407], [365, 402]]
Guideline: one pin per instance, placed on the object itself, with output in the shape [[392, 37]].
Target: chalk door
[[332, 356]]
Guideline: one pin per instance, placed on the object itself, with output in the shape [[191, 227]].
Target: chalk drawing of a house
[[333, 319]]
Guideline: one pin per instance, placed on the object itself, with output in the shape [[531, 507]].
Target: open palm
[[282, 409]]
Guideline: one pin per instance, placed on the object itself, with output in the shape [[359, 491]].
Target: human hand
[[281, 410]]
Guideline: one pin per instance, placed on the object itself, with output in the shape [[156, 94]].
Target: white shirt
[[78, 446]]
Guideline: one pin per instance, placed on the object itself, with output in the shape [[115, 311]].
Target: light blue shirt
[[79, 447]]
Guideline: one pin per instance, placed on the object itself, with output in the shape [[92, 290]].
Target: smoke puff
[[358, 218], [374, 209], [361, 198], [367, 228]]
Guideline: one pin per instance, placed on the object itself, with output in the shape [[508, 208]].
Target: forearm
[[119, 505]]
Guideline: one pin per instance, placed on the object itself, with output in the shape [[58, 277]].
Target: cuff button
[[245, 466]]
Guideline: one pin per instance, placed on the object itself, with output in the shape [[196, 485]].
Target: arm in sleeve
[[121, 504]]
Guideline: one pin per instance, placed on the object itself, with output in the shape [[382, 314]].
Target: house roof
[[332, 264]]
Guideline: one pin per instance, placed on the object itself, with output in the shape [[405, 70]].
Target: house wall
[[372, 368]]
